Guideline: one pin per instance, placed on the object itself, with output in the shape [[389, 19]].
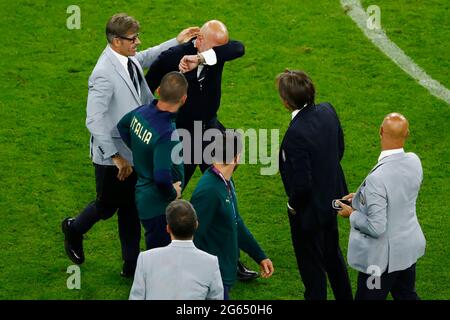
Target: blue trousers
[[155, 232], [226, 291]]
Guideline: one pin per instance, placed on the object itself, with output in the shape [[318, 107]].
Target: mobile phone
[[338, 207]]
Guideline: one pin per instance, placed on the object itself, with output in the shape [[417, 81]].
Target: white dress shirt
[[386, 153], [210, 59], [122, 59], [124, 62]]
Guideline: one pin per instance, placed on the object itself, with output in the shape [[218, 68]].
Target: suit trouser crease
[[401, 284], [318, 255], [114, 196]]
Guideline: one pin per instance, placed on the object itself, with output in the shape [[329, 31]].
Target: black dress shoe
[[73, 242], [128, 269], [244, 274]]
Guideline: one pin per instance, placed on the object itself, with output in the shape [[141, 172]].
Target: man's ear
[[157, 91], [183, 99], [196, 225], [168, 229], [115, 42]]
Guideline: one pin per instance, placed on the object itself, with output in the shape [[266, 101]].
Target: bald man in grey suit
[[179, 271], [116, 87], [385, 238]]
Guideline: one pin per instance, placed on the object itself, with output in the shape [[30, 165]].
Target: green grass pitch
[[46, 174]]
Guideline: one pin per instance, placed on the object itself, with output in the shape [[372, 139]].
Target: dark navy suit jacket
[[310, 168]]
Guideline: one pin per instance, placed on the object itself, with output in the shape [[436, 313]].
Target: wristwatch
[[200, 58], [115, 155]]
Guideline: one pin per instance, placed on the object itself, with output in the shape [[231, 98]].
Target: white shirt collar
[[182, 241], [294, 113], [386, 153], [122, 59], [209, 56]]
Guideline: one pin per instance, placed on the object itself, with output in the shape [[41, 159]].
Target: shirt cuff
[[210, 57]]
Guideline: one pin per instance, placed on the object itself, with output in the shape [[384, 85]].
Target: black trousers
[[318, 256], [401, 284], [114, 196], [189, 165]]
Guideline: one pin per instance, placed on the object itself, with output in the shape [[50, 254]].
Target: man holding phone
[[385, 238]]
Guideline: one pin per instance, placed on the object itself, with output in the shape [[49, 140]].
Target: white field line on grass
[[379, 38]]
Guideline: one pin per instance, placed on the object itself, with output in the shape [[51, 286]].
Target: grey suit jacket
[[112, 95], [385, 232], [179, 271]]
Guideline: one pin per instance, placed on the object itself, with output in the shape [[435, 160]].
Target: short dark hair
[[119, 25], [181, 218], [227, 146], [296, 88], [173, 87]]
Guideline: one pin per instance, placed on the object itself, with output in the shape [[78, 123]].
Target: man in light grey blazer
[[179, 271], [385, 238], [116, 87]]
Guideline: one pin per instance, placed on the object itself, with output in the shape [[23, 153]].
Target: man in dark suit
[[202, 61], [310, 168]]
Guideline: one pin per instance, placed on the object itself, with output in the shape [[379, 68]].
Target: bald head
[[394, 131], [212, 34]]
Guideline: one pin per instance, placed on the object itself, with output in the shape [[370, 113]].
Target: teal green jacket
[[151, 136], [221, 231]]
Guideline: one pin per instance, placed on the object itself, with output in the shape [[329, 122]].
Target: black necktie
[[131, 69]]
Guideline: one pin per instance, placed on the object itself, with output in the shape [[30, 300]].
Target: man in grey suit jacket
[[116, 87], [179, 271], [385, 238]]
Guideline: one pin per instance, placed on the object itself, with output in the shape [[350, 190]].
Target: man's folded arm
[[230, 51], [148, 56], [373, 224]]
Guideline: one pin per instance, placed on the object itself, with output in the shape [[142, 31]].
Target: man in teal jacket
[[221, 230], [149, 131]]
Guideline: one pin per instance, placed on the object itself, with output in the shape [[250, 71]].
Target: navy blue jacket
[[203, 99], [310, 168]]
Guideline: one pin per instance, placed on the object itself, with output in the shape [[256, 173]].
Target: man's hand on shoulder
[[125, 168], [187, 34]]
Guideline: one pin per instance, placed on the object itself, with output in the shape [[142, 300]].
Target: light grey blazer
[[111, 95], [179, 271], [385, 231]]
